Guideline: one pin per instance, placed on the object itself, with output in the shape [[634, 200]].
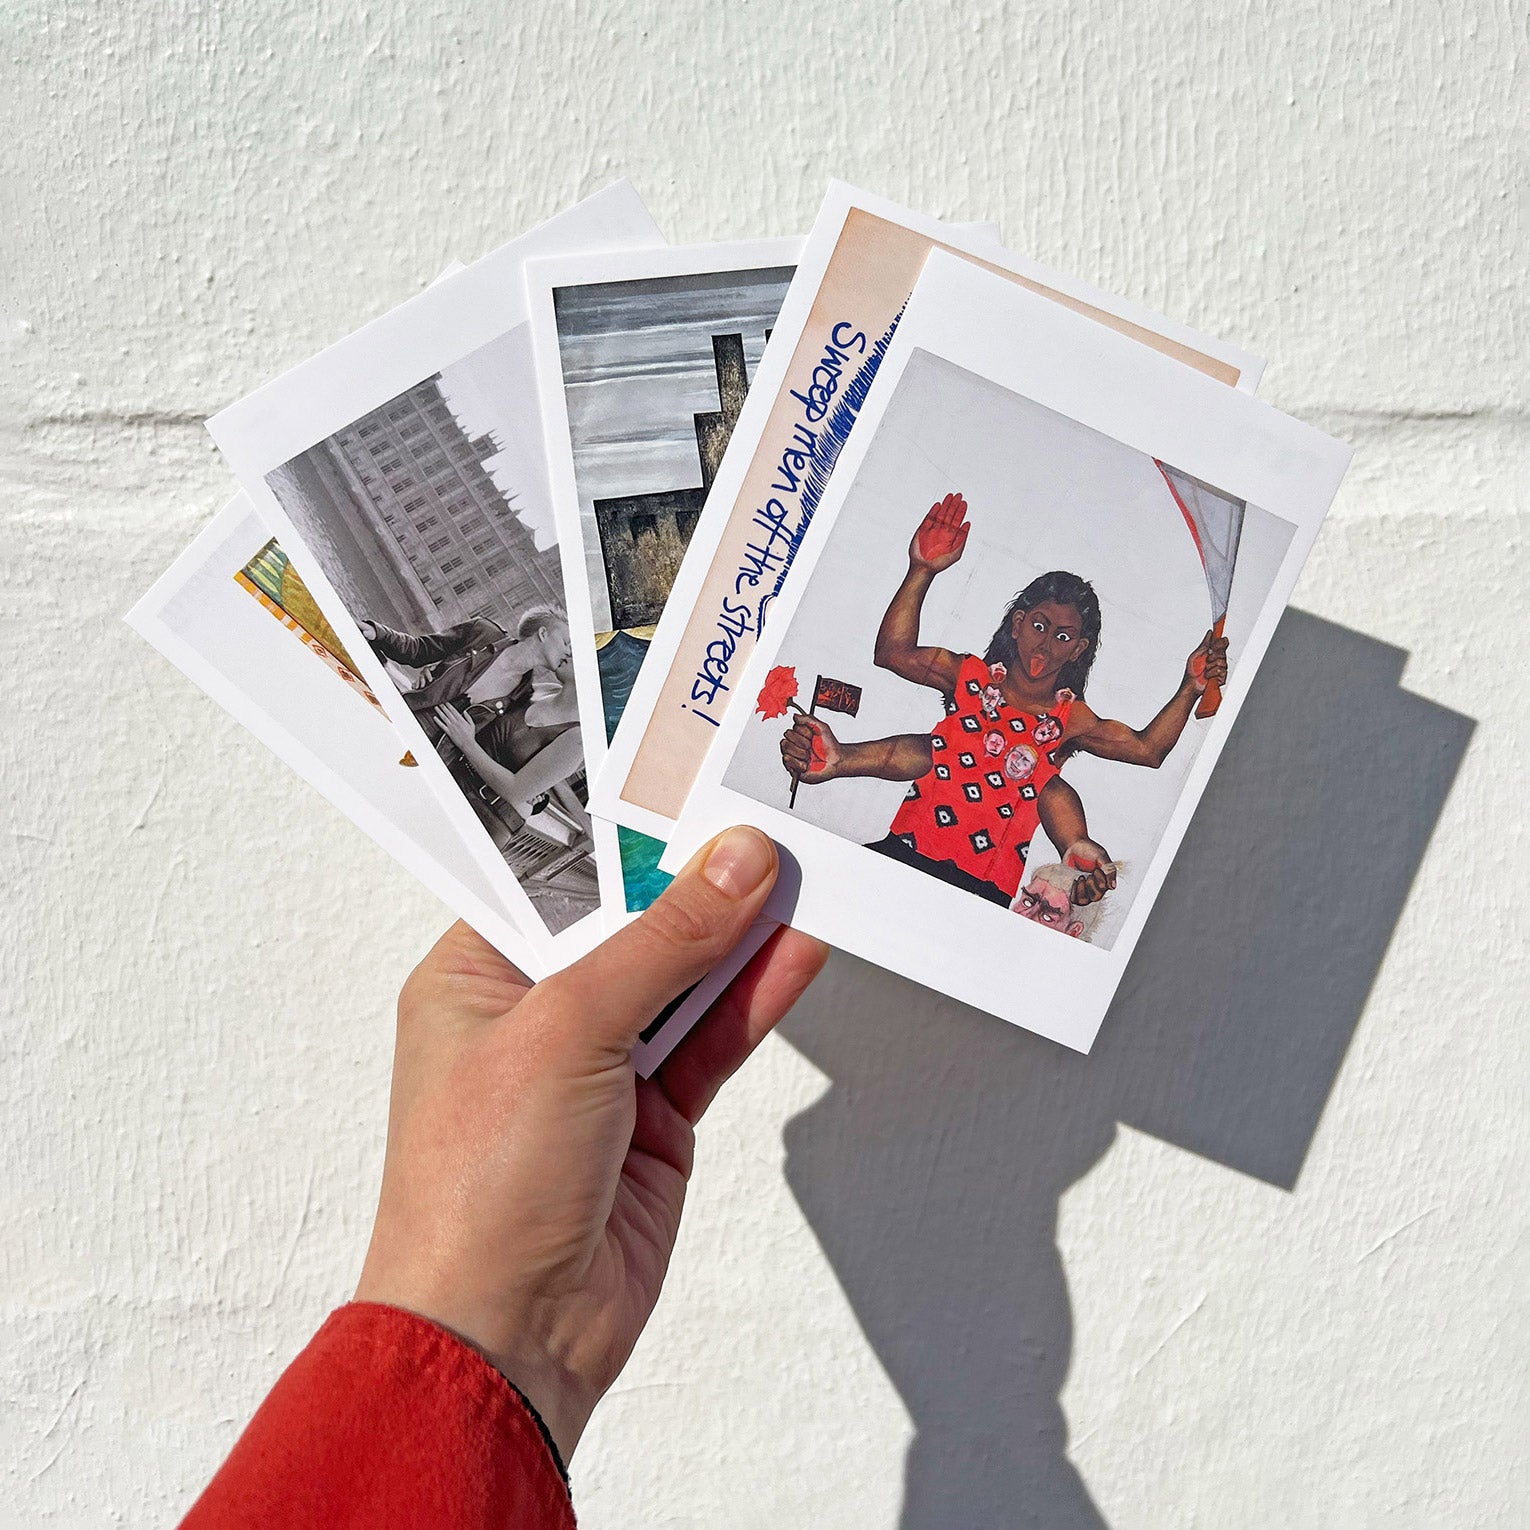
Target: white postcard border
[[1110, 383]]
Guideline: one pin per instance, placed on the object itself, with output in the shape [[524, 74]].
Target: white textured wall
[[1258, 1262]]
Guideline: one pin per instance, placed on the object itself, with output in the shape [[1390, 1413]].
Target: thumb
[[627, 980]]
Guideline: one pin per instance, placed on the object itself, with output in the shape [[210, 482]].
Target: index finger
[[772, 980]]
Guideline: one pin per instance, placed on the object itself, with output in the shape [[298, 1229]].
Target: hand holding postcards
[[990, 556]]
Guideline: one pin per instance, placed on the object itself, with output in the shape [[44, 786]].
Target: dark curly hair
[[1063, 589]]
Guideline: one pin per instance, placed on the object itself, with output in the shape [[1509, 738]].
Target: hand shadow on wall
[[932, 1167]]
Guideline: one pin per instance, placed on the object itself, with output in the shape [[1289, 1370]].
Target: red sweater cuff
[[388, 1419]]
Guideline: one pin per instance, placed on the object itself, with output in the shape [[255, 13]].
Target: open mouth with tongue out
[[1037, 665]]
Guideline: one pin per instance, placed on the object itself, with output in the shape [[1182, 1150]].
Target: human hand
[[809, 751], [1207, 665], [368, 628], [533, 1184], [455, 725], [941, 537], [1098, 871]]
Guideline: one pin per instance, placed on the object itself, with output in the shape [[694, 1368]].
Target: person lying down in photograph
[[505, 705], [990, 773]]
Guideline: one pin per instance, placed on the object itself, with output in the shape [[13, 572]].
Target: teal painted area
[[620, 660], [642, 880], [641, 876]]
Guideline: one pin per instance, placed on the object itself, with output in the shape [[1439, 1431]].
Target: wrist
[[559, 1398], [844, 757]]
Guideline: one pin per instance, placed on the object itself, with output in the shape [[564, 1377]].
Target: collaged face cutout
[[1042, 903], [1020, 762]]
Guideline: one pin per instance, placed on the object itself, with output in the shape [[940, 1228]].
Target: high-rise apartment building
[[440, 539]]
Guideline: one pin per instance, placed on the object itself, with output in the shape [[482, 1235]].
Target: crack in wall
[[154, 419]]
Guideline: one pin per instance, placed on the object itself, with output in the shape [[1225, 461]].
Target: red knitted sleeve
[[387, 1419]]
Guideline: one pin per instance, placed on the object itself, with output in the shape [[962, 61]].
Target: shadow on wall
[[932, 1168]]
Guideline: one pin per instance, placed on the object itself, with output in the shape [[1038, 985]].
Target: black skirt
[[896, 849]]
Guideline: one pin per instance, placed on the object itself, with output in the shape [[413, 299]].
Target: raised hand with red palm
[[942, 535]]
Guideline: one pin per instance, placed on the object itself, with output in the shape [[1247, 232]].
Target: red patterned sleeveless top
[[977, 805]]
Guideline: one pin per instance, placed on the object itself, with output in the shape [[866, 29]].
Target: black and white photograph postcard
[[431, 515], [404, 470], [1022, 623], [644, 358]]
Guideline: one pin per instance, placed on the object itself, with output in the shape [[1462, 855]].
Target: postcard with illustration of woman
[[858, 267], [1029, 610]]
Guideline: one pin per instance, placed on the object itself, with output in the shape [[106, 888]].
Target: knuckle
[[682, 922]]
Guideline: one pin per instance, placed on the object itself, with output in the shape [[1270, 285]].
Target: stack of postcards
[[947, 571]]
